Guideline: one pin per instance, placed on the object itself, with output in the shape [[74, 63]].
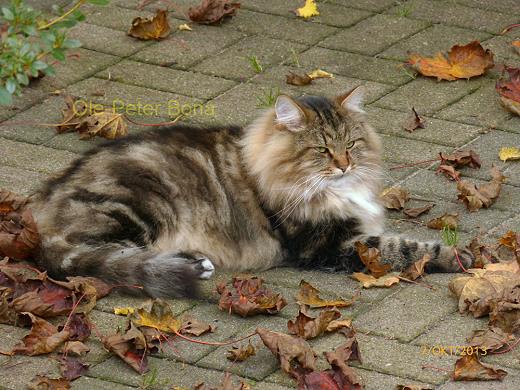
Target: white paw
[[208, 269]]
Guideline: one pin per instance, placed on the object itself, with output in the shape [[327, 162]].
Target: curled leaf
[[368, 281], [449, 171], [308, 295], [394, 198], [320, 74], [461, 158], [156, 27], [415, 212], [416, 270], [296, 79], [184, 27], [482, 196], [212, 11], [371, 258], [415, 122], [42, 382], [509, 90], [310, 327], [239, 354], [469, 368], [449, 220], [72, 368], [195, 327], [462, 62]]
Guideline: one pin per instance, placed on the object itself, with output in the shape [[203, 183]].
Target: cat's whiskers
[[289, 197]]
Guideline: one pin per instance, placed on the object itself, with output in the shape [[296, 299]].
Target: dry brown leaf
[[310, 327], [415, 122], [195, 327], [469, 368], [511, 240], [156, 27], [308, 295], [449, 220], [239, 354], [371, 258], [249, 297], [394, 198], [43, 338], [483, 196], [509, 90], [415, 212], [288, 349], [461, 158], [225, 384], [341, 324], [72, 368], [158, 315], [75, 348], [369, 281], [462, 62], [212, 11], [296, 79], [491, 339], [416, 270], [42, 382], [449, 171]]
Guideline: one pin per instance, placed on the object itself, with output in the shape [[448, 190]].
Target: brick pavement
[[361, 42]]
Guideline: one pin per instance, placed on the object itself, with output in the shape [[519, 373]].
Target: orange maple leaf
[[462, 62]]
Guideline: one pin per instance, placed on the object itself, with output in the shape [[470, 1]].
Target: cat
[[299, 186]]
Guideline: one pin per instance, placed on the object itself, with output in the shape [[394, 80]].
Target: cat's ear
[[288, 113], [353, 100]]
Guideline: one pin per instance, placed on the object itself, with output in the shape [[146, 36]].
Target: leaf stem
[[74, 8], [218, 344], [413, 164]]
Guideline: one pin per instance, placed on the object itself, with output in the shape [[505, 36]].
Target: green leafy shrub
[[29, 41]]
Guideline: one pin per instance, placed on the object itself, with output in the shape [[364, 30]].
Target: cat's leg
[[161, 274]]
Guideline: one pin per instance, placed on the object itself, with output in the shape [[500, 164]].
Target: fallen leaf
[[368, 281], [195, 327], [415, 212], [449, 171], [225, 384], [239, 354], [296, 79], [510, 153], [461, 158], [308, 295], [415, 122], [288, 349], [469, 368], [131, 346], [107, 124], [158, 316], [416, 269], [309, 10], [72, 368], [483, 196], [184, 27], [7, 314], [73, 114], [249, 297], [320, 74], [462, 62], [449, 220], [511, 240], [43, 338], [123, 311], [516, 45], [482, 253], [509, 90], [79, 327], [310, 327], [394, 198], [212, 11], [18, 232], [42, 382], [371, 258], [491, 339], [412, 387], [156, 27], [341, 324], [75, 348]]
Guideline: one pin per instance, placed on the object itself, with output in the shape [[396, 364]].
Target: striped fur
[[298, 186]]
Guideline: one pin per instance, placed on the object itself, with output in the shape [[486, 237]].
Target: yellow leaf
[[184, 27], [308, 10], [510, 153], [123, 311], [159, 316], [320, 74], [369, 281]]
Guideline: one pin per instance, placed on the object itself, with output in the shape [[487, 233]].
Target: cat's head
[[308, 144]]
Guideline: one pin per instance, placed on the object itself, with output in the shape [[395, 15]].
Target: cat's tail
[[158, 274], [401, 252]]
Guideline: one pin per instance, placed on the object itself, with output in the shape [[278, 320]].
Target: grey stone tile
[[505, 6], [432, 40], [512, 124], [86, 383], [19, 180], [397, 149], [372, 5], [360, 38]]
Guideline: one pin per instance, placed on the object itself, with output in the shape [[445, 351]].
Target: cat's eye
[[322, 149], [350, 144]]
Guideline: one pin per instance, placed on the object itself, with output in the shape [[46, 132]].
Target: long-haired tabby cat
[[297, 187]]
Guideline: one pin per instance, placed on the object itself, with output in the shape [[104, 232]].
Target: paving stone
[[355, 65], [427, 95], [169, 373], [360, 38], [279, 27], [233, 62], [512, 223], [391, 317], [19, 180], [480, 108], [372, 5], [505, 6], [269, 386], [18, 372], [374, 380], [397, 149], [33, 157], [433, 187], [31, 96], [452, 14], [106, 40], [509, 360], [166, 79], [502, 48], [257, 366], [512, 124], [185, 48], [86, 383], [432, 40], [436, 131]]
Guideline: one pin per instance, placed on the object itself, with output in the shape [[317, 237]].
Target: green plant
[[253, 61], [268, 98], [295, 58], [404, 10], [450, 236], [151, 380], [28, 40]]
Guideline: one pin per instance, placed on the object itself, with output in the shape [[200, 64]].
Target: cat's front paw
[[204, 267]]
